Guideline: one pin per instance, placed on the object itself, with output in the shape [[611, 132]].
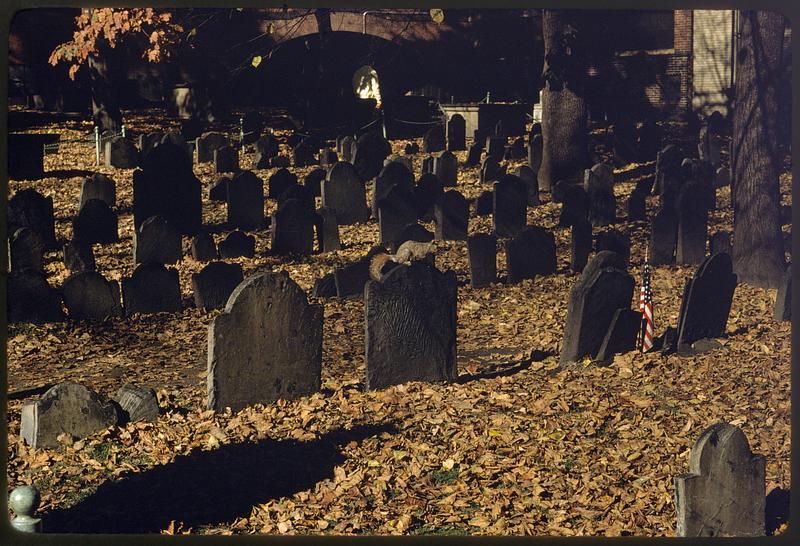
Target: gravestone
[[206, 144], [433, 140], [395, 211], [65, 408], [177, 140], [370, 151], [192, 129], [27, 251], [482, 251], [266, 346], [427, 165], [292, 229], [95, 223], [410, 326], [527, 175], [121, 153], [663, 237], [599, 186], [427, 191], [279, 161], [88, 295], [509, 206], [218, 191], [531, 252], [724, 493], [451, 213], [637, 204], [709, 147], [668, 177], [603, 287], [783, 301], [615, 241], [692, 226], [484, 204], [237, 244], [574, 206], [328, 157], [445, 166], [490, 170], [204, 249], [324, 287], [78, 257], [343, 191], [31, 299], [649, 140], [474, 154], [29, 208], [137, 404], [226, 159], [98, 186], [266, 149], [707, 299], [246, 201], [722, 177], [393, 174], [517, 150], [156, 241], [411, 232], [148, 141], [152, 288], [212, 286], [329, 237], [580, 244], [456, 133], [621, 335], [720, 242], [411, 148], [279, 182], [346, 150], [624, 141], [496, 145], [403, 160], [351, 278], [252, 126], [304, 154], [313, 181], [535, 155]]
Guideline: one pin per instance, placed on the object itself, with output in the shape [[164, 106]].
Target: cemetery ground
[[518, 445]]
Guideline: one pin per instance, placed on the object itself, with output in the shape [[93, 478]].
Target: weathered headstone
[[599, 186], [88, 295], [692, 226], [246, 201], [495, 145], [137, 403], [266, 149], [65, 408], [344, 192], [96, 223], [148, 141], [484, 204], [152, 288], [490, 170], [346, 150], [27, 251], [411, 326], [207, 143], [304, 154], [574, 206], [580, 244], [395, 211], [783, 301], [663, 237], [621, 335], [509, 206], [427, 191], [370, 151], [31, 299], [393, 174], [292, 229], [237, 244], [328, 157], [204, 249], [313, 181], [724, 493], [121, 153], [156, 241], [451, 214], [226, 159], [649, 140], [218, 191], [433, 140], [531, 252], [266, 346], [722, 177], [615, 241], [482, 251], [214, 283], [329, 226], [427, 165], [709, 147], [78, 257], [98, 186], [28, 208], [474, 154], [445, 166], [528, 175], [279, 182], [456, 133]]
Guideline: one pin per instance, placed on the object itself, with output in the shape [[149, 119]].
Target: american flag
[[646, 308]]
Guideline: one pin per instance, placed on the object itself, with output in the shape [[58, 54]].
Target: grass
[[445, 477]]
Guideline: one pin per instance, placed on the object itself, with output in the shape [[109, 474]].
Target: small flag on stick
[[646, 308]]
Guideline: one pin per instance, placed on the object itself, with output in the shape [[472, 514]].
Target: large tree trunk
[[564, 113], [758, 254]]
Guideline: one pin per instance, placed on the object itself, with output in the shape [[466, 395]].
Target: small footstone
[[137, 403], [482, 250]]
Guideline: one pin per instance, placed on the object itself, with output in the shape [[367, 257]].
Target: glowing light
[[366, 84]]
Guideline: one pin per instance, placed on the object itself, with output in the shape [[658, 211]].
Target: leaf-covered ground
[[516, 446]]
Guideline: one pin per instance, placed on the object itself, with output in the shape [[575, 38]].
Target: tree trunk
[[104, 105], [564, 113], [758, 253]]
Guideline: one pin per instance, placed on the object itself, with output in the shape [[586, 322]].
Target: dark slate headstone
[[445, 166], [152, 288], [26, 155], [204, 249], [482, 251], [266, 149], [88, 295], [427, 191], [783, 302], [279, 162], [490, 170], [403, 160], [218, 191], [615, 241], [720, 242], [148, 141], [663, 237], [649, 140], [346, 151], [78, 257], [298, 193], [393, 174], [156, 241], [411, 148], [594, 299], [266, 346], [207, 143], [98, 186], [65, 408], [531, 252], [707, 299], [509, 206], [137, 403], [574, 206], [433, 140], [28, 208], [528, 175], [474, 154], [456, 133], [252, 126], [668, 177], [292, 229], [395, 212], [517, 149], [226, 159], [27, 251], [621, 335], [410, 326], [709, 147], [313, 181], [121, 153], [370, 151], [95, 223], [484, 204], [495, 145], [580, 244], [31, 299], [427, 165], [324, 287], [328, 157], [692, 226], [724, 493], [411, 232], [246, 201], [214, 283], [451, 214], [279, 182], [350, 278], [304, 153], [329, 228], [599, 186], [236, 245], [637, 204], [343, 191]]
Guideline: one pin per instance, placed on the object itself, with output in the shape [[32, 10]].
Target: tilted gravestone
[[724, 493], [344, 192], [203, 247], [433, 140], [136, 403], [370, 151], [603, 287], [206, 144], [580, 244], [226, 159], [451, 214], [313, 181], [531, 252], [528, 175], [292, 229], [482, 251], [96, 223], [456, 133], [121, 153], [279, 182], [32, 299], [783, 301], [491, 170], [393, 174], [218, 191], [156, 241], [351, 278], [707, 299], [266, 346], [78, 257], [574, 206], [637, 204], [88, 295], [427, 191], [621, 335], [246, 201], [212, 286], [237, 244], [615, 241], [663, 237], [445, 166], [599, 186], [328, 234], [690, 248], [395, 211], [474, 154], [27, 251], [98, 186], [410, 326], [509, 206], [65, 408], [152, 288], [28, 208]]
